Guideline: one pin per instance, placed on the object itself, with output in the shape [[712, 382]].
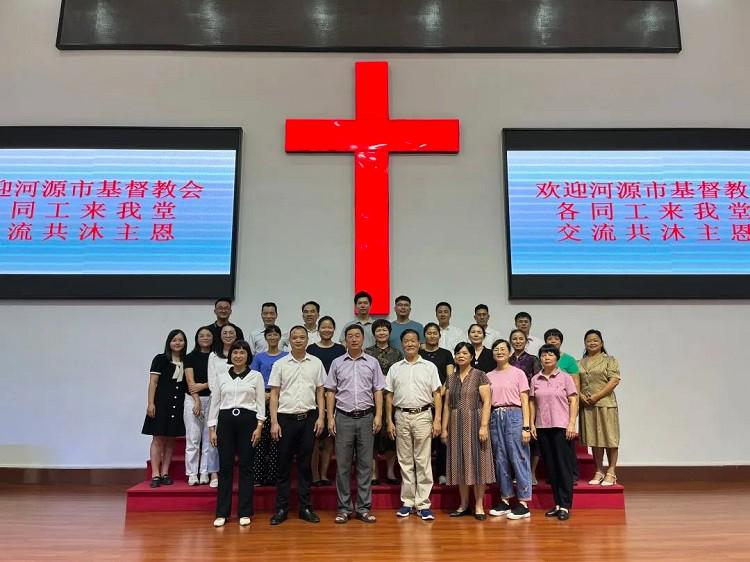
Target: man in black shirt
[[223, 310]]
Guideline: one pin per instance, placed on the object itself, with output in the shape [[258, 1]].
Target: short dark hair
[[498, 342], [402, 298], [272, 329], [381, 323], [240, 344], [297, 327], [520, 315], [553, 332], [223, 299], [431, 325], [362, 294], [324, 318], [407, 332], [481, 306], [273, 304], [170, 337], [315, 304], [479, 326], [443, 303], [547, 348], [351, 327], [465, 345]]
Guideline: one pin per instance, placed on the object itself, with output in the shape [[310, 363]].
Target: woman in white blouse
[[218, 361], [235, 421]]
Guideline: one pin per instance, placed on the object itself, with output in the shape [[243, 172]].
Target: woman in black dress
[[483, 359], [166, 398]]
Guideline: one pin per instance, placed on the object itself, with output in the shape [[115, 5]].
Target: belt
[[356, 413], [302, 416], [236, 411], [505, 407], [415, 410]]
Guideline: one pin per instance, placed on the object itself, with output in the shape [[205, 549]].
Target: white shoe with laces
[[220, 521], [204, 479], [192, 480]]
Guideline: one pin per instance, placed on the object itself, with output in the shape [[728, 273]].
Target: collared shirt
[[386, 357], [229, 392], [355, 380], [507, 386], [490, 336], [412, 384], [551, 398], [313, 336], [366, 326], [533, 343], [567, 364], [297, 381], [263, 362], [450, 337]]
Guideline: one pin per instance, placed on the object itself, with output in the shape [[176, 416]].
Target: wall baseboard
[[130, 476]]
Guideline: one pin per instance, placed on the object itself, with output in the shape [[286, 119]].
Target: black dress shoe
[[552, 512], [279, 517], [155, 482], [166, 480], [563, 515], [309, 515]]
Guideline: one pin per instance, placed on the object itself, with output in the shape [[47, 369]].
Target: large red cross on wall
[[372, 136]]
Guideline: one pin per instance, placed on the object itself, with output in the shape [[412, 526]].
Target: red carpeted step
[[181, 497]]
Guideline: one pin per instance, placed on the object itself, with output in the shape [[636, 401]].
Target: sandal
[[366, 517], [341, 517], [609, 480], [597, 479]]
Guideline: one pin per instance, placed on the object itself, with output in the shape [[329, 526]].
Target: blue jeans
[[511, 454]]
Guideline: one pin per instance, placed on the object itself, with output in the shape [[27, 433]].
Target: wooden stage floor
[[685, 521]]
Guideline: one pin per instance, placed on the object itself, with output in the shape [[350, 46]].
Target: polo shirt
[[567, 364], [551, 398]]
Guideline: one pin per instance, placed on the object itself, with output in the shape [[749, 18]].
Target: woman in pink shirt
[[554, 408], [510, 432]]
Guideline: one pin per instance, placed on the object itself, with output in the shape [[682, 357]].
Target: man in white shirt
[[523, 323], [482, 317], [297, 417], [268, 313], [450, 336], [363, 302], [413, 387], [310, 315]]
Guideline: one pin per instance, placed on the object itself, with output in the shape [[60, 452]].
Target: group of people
[[487, 408]]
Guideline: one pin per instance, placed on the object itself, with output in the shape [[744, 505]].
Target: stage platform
[[181, 497]]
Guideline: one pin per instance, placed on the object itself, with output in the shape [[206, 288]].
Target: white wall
[[73, 383]]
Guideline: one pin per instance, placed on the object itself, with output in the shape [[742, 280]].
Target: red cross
[[372, 136]]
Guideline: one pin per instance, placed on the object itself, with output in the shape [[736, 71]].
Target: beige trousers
[[414, 451]]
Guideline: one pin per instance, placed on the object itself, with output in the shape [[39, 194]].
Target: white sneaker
[[204, 479], [220, 521], [214, 483], [192, 480], [244, 521], [442, 480]]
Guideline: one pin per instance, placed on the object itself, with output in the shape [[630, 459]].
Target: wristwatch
[[526, 428]]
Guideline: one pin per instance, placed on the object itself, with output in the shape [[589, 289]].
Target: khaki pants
[[413, 448]]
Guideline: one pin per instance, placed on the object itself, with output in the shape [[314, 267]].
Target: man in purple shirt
[[354, 397]]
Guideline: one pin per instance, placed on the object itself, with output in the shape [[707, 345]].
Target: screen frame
[[127, 286], [622, 286]]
